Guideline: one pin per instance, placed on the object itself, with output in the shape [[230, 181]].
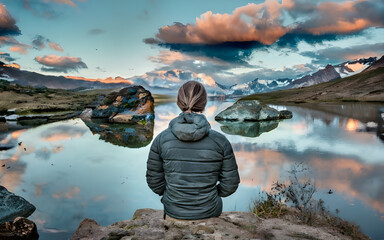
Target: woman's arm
[[229, 176], [155, 170]]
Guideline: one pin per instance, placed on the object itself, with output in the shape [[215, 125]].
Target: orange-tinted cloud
[[105, 80], [16, 46], [169, 57], [55, 63], [19, 49], [13, 65], [253, 22], [55, 46], [7, 23], [266, 22]]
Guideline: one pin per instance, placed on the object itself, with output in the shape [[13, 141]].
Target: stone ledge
[[149, 224]]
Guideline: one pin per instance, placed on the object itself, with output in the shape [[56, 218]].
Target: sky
[[223, 41]]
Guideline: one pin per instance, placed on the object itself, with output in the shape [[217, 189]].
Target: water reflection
[[248, 129], [132, 136], [69, 174]]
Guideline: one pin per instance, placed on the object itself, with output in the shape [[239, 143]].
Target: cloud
[[40, 9], [105, 80], [55, 63], [16, 46], [39, 43], [294, 72], [171, 57], [270, 23], [173, 79], [7, 23], [55, 46], [96, 31], [66, 2], [19, 49], [336, 54], [6, 57]]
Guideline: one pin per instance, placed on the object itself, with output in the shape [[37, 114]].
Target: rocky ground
[[149, 224]]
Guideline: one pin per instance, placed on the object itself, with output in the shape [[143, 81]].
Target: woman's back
[[185, 164]]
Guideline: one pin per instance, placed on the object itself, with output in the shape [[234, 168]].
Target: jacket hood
[[190, 127]]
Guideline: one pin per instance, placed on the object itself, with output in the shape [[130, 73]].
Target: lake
[[69, 174]]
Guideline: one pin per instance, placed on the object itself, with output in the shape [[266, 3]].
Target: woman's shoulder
[[165, 134], [217, 137]]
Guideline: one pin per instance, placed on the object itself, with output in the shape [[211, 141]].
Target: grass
[[27, 100]]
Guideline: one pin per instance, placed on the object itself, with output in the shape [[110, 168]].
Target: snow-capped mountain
[[349, 68], [323, 75], [329, 73], [168, 82], [256, 86]]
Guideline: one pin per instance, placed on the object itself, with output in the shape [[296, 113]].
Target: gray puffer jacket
[[192, 166]]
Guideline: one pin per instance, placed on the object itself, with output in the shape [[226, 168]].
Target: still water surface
[[69, 174]]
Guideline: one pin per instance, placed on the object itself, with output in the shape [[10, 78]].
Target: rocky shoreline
[[149, 224]]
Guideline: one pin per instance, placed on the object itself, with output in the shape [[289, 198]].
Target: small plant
[[297, 192], [270, 207]]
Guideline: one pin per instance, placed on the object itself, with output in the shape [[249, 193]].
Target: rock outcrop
[[20, 229], [12, 206], [149, 224], [124, 118], [251, 110], [129, 105]]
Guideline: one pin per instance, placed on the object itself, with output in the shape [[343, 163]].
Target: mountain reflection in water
[[69, 174]]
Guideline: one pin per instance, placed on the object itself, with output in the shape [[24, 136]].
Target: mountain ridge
[[168, 81], [364, 86]]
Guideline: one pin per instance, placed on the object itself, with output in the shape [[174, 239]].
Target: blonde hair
[[192, 97]]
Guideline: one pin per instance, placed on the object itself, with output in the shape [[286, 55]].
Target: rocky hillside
[[365, 86], [26, 78], [324, 75]]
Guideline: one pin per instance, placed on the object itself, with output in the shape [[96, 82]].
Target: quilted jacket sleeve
[[155, 170], [229, 175]]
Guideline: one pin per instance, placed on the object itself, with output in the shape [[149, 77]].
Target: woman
[[189, 164]]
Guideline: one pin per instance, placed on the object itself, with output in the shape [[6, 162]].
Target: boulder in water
[[12, 206], [250, 110], [132, 104]]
